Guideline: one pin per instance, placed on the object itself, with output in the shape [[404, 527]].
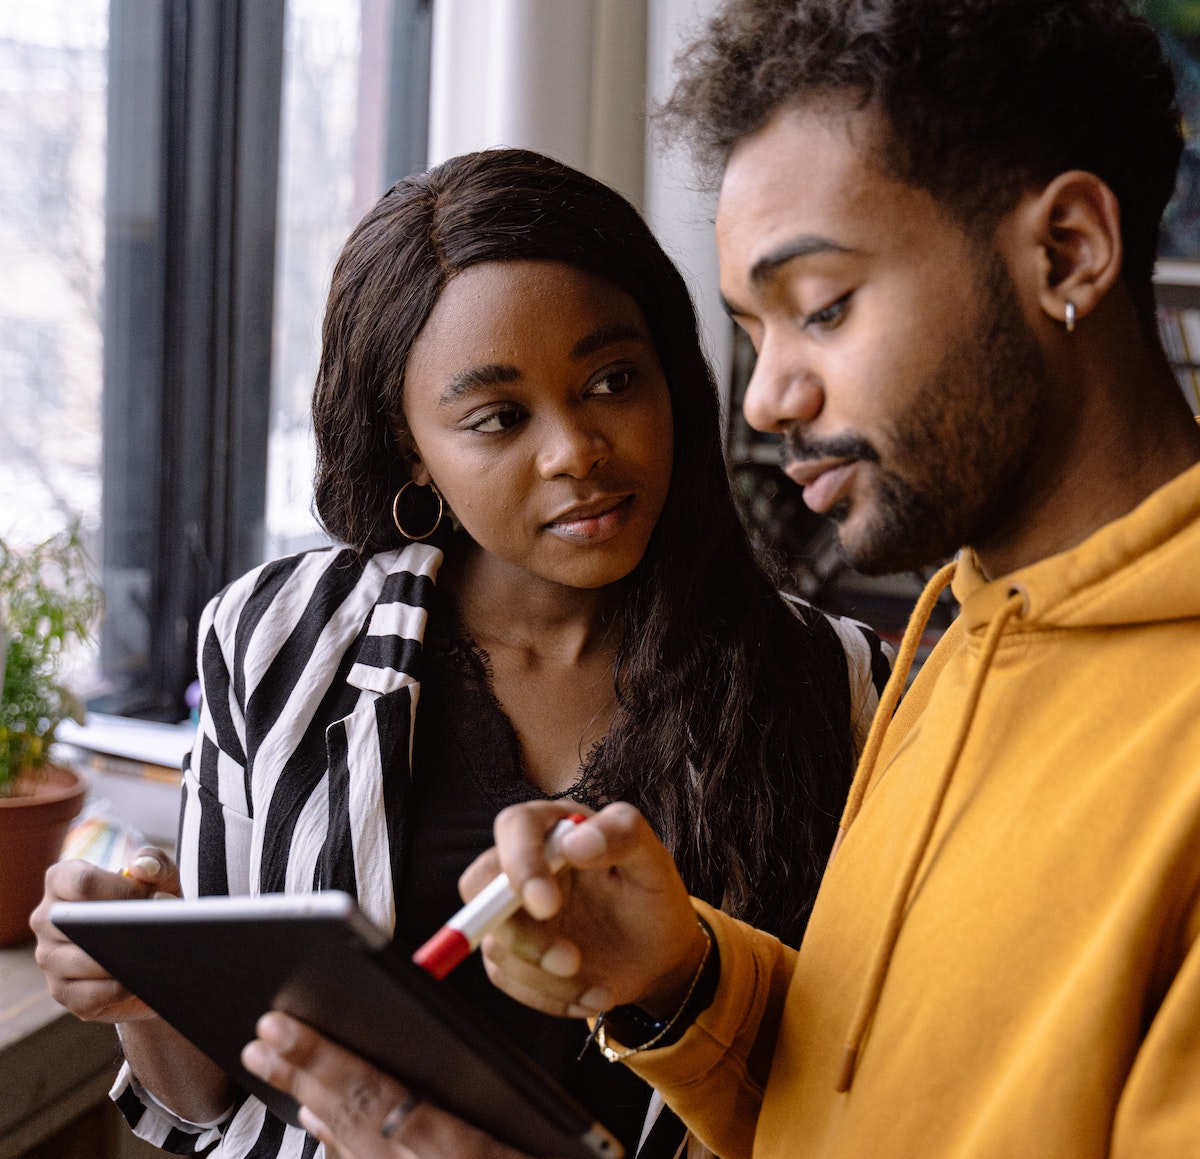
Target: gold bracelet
[[614, 1055]]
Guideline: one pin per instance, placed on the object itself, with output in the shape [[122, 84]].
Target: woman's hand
[[76, 981], [351, 1106], [618, 929]]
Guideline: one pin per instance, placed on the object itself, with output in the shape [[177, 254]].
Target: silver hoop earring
[[396, 512], [1070, 318]]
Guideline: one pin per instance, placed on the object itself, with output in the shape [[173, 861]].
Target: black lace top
[[466, 768]]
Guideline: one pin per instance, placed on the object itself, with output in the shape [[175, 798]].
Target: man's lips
[[825, 481]]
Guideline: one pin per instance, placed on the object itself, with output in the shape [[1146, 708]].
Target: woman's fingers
[[83, 881], [74, 979], [352, 1106], [98, 1000], [152, 866]]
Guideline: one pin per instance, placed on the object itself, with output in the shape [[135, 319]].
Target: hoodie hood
[[1137, 570], [1128, 572]]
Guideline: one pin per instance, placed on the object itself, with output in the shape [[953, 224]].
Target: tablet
[[211, 967]]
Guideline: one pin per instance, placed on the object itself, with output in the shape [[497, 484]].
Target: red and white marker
[[490, 907]]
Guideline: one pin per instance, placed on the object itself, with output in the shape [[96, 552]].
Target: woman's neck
[[503, 606], [551, 652]]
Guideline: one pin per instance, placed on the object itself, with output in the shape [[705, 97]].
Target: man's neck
[[1111, 454]]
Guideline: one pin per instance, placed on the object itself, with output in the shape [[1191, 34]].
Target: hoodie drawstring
[[882, 957], [891, 696]]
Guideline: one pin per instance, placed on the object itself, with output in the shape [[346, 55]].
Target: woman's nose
[[782, 390], [572, 447]]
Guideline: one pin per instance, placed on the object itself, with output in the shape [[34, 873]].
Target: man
[[937, 223]]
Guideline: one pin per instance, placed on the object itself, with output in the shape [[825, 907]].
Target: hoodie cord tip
[[849, 1062]]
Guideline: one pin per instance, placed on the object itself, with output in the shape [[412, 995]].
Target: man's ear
[[1076, 224]]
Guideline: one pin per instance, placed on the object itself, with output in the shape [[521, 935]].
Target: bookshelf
[[1177, 288], [133, 766]]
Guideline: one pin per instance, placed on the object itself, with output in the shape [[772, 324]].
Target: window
[[53, 80], [168, 220], [355, 101]]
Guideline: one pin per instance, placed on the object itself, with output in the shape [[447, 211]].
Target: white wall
[[574, 78], [680, 214]]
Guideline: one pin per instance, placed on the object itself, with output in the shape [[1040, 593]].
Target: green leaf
[[49, 601]]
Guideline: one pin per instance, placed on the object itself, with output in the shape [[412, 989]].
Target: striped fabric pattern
[[308, 666], [299, 776]]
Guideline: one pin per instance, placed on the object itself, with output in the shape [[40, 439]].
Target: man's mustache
[[794, 448]]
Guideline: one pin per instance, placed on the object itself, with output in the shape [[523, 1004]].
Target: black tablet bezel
[[212, 966]]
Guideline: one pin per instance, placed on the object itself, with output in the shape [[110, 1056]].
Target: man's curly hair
[[984, 98]]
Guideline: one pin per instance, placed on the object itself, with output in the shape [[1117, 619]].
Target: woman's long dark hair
[[732, 731]]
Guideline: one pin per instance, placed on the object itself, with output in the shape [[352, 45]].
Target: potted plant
[[48, 602]]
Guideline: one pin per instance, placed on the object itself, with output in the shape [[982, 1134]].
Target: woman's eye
[[613, 382], [497, 421], [829, 316]]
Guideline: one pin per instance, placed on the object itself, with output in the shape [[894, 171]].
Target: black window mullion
[[198, 470]]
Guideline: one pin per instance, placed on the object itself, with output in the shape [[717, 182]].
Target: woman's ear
[[1076, 223], [408, 449]]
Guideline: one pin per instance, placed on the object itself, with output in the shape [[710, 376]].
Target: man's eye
[[614, 382], [497, 421], [829, 316]]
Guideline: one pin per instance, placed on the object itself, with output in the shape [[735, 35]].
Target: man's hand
[[615, 928]]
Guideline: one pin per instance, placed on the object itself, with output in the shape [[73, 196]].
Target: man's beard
[[951, 468]]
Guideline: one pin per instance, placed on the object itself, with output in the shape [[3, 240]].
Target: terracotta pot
[[34, 821]]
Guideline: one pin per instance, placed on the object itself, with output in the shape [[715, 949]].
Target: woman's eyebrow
[[495, 374], [477, 378], [607, 335]]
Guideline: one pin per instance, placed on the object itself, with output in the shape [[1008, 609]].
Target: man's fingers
[[78, 982], [99, 1000], [534, 983], [347, 1094], [521, 834], [485, 867], [608, 838]]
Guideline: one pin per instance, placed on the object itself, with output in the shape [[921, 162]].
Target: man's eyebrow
[[607, 335], [477, 378], [799, 247]]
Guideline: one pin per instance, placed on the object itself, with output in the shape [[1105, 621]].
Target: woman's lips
[[593, 522], [825, 481]]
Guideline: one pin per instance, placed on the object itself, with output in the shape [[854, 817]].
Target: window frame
[[194, 116]]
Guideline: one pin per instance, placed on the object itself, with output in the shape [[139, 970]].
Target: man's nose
[[782, 390]]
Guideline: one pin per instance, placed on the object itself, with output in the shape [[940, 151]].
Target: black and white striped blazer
[[300, 772]]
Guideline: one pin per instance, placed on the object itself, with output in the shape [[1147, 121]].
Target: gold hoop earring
[[1069, 321], [396, 512]]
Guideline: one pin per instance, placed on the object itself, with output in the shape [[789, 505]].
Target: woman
[[505, 345]]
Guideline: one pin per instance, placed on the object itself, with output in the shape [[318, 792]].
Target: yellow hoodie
[[1003, 959]]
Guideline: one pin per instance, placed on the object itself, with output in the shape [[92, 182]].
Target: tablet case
[[211, 967]]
